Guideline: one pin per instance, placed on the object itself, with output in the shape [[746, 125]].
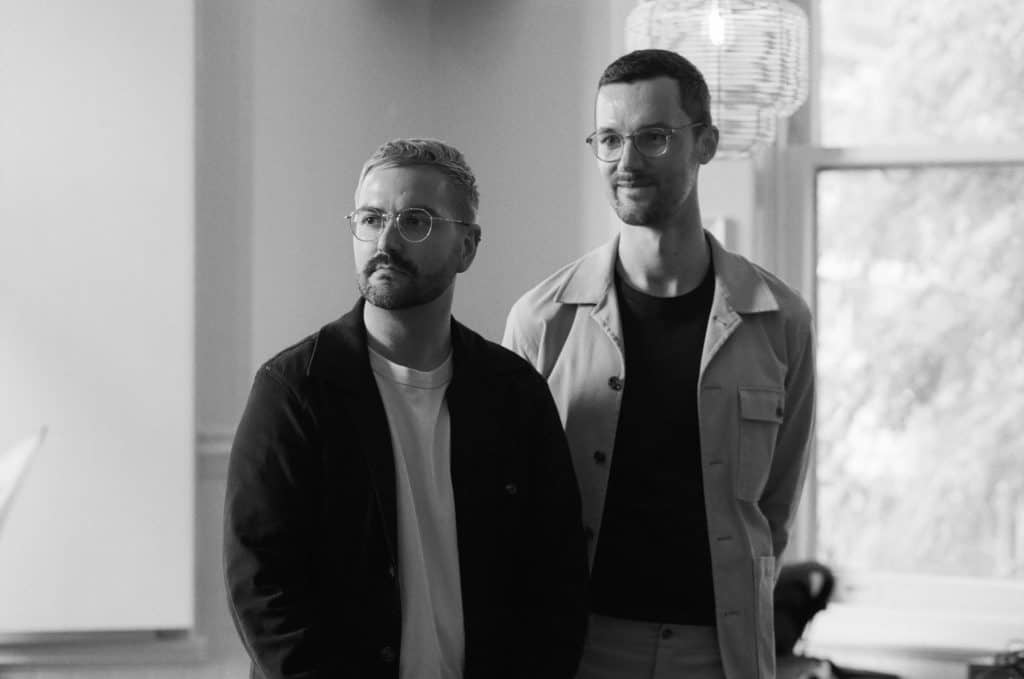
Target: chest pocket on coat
[[761, 411]]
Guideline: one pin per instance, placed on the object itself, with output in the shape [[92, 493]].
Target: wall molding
[[88, 649]]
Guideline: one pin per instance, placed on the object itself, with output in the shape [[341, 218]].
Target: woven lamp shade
[[753, 54]]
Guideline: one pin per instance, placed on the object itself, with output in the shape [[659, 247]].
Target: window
[[909, 238], [920, 279]]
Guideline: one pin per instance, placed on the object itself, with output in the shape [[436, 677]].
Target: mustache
[[391, 259], [632, 179]]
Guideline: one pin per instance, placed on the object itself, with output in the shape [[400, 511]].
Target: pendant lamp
[[753, 54]]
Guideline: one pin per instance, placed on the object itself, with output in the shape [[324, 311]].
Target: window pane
[[921, 370], [921, 72]]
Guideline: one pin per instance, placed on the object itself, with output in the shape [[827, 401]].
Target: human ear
[[707, 143], [469, 243]]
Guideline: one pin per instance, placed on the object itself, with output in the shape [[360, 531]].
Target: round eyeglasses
[[414, 223], [651, 142]]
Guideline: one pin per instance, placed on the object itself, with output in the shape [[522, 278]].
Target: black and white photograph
[[511, 339]]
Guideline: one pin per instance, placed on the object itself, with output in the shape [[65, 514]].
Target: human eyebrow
[[423, 206], [659, 125]]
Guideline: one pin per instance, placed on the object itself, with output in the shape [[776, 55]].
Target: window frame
[[871, 611], [877, 610]]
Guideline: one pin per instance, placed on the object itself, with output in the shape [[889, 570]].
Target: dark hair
[[655, 63]]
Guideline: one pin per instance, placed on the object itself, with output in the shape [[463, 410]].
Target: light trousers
[[630, 649]]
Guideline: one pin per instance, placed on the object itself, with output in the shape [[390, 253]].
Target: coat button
[[600, 457], [615, 383], [387, 655], [778, 411], [511, 488], [666, 633]]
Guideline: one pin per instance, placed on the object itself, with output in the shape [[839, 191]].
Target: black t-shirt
[[653, 559]]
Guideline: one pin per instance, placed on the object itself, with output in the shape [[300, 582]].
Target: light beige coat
[[756, 403]]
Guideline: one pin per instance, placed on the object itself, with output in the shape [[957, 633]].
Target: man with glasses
[[400, 497], [684, 375]]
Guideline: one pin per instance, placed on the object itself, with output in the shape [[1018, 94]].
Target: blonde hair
[[431, 153]]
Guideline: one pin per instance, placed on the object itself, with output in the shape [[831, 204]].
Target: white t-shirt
[[433, 638]]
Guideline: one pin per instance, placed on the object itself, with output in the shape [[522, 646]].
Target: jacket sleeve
[[561, 573], [790, 460], [268, 526]]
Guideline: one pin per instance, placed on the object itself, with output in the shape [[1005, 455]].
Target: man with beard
[[684, 375], [400, 498]]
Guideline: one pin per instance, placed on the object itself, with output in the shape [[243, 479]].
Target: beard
[[664, 203], [641, 215], [408, 286]]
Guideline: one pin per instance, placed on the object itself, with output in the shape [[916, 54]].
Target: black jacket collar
[[340, 353]]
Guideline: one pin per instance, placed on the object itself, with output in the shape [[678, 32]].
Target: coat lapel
[[721, 324], [341, 360], [474, 424], [739, 289]]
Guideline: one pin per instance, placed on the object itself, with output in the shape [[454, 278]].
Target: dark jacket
[[310, 528]]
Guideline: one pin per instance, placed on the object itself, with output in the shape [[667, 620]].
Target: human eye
[[414, 219], [609, 140], [414, 223], [653, 136], [369, 219]]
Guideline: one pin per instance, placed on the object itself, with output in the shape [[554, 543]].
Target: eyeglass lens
[[413, 224], [651, 143]]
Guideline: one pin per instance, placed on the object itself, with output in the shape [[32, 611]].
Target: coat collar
[[742, 285], [340, 352]]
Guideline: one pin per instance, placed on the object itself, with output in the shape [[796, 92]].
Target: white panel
[[96, 312]]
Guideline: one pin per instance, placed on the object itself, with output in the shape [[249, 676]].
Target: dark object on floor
[[800, 667], [803, 589], [803, 667], [1009, 665]]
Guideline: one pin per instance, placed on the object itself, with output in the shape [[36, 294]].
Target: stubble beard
[[635, 215], [654, 212], [407, 289], [658, 211]]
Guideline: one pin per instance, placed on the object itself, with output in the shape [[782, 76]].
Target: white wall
[[96, 312]]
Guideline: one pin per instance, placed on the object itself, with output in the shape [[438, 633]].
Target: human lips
[[387, 265], [389, 268], [388, 272], [633, 182]]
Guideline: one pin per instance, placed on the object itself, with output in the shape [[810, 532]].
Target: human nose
[[389, 235], [631, 156]]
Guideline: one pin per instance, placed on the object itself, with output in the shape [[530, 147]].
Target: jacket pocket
[[760, 415]]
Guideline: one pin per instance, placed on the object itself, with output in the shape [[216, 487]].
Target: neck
[[419, 337], [664, 262]]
